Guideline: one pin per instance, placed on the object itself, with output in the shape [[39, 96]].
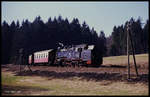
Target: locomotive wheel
[[49, 63], [60, 63], [64, 63]]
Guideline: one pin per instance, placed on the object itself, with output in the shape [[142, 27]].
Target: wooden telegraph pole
[[129, 30], [133, 51], [21, 60], [128, 54]]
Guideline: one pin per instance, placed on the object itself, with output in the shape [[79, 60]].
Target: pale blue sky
[[100, 15]]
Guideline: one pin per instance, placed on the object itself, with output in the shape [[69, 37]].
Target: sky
[[103, 16]]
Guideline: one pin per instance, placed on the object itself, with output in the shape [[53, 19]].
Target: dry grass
[[141, 60], [36, 85]]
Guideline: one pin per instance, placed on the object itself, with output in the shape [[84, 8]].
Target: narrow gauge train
[[75, 55]]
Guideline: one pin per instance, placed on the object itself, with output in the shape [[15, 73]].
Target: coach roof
[[90, 47], [44, 51]]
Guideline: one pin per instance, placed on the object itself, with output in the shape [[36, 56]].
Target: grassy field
[[141, 60], [43, 86], [13, 84]]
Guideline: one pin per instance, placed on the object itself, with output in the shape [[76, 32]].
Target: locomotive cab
[[96, 57], [92, 56]]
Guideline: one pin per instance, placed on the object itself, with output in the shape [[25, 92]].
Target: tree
[[102, 40], [136, 31], [85, 33], [13, 29], [146, 37], [6, 43], [116, 41], [93, 36]]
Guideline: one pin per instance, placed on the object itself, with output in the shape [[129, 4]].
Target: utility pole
[[133, 50], [20, 58], [128, 54]]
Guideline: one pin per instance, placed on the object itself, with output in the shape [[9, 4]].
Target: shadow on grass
[[14, 90], [95, 76], [84, 76], [113, 66]]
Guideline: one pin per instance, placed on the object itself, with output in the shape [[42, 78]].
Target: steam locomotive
[[82, 54]]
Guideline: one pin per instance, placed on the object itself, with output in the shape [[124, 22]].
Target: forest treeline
[[37, 35], [117, 41]]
